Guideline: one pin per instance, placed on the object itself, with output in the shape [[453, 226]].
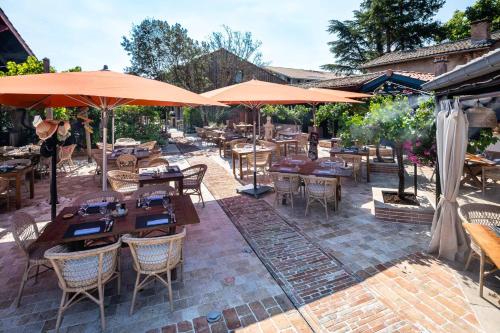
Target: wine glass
[[103, 210], [166, 204], [147, 202], [83, 209]]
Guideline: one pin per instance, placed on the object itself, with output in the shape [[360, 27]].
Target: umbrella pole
[[104, 116], [53, 182], [113, 129], [254, 152]]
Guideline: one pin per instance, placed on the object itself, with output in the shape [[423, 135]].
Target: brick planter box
[[389, 212], [383, 167]]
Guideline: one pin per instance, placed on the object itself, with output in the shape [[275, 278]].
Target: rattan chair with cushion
[[490, 172], [354, 161], [82, 272], [25, 232], [95, 197], [322, 190], [285, 186], [262, 159], [123, 182], [5, 191], [193, 177], [65, 157], [154, 190], [127, 162], [149, 145], [154, 257], [478, 213]]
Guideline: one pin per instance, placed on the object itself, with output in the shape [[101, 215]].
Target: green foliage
[[480, 144], [382, 26], [353, 129], [31, 66], [286, 114], [165, 52], [192, 118], [458, 27], [240, 43], [139, 122]]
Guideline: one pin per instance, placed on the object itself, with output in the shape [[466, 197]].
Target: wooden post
[[46, 69]]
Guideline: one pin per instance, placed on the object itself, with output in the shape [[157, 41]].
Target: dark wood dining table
[[312, 168], [473, 165], [19, 174], [172, 174], [359, 152], [54, 232]]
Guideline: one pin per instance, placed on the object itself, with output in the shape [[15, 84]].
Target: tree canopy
[[382, 26]]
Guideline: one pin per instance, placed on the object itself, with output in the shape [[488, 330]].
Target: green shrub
[[139, 122], [192, 118]]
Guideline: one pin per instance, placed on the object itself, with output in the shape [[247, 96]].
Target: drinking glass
[[166, 204], [83, 209], [147, 202], [103, 210]]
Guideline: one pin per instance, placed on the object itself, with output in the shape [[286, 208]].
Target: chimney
[[480, 30], [440, 65]]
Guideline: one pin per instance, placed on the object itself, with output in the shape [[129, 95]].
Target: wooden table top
[[53, 233], [470, 158], [310, 168], [16, 171], [249, 150], [244, 125], [487, 239], [173, 173], [350, 152], [280, 141]]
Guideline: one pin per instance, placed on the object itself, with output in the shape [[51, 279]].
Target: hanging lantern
[[481, 117]]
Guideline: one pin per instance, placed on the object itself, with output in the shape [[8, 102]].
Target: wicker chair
[[261, 160], [478, 213], [320, 189], [490, 172], [229, 145], [164, 190], [158, 161], [25, 232], [127, 162], [275, 153], [285, 185], [123, 182], [149, 145], [200, 132], [303, 141], [154, 257], [355, 161], [65, 154], [5, 191], [193, 176], [94, 197], [80, 273]]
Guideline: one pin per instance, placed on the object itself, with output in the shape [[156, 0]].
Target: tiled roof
[[431, 51], [358, 80], [301, 74]]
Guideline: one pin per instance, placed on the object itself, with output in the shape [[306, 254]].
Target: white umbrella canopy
[[447, 235]]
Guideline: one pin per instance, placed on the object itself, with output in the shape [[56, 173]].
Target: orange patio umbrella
[[341, 93], [104, 90], [254, 94]]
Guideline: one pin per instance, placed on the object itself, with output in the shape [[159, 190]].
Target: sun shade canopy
[[255, 93], [100, 89], [341, 93]]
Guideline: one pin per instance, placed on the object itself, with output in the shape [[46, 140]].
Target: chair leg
[[36, 274], [471, 254], [326, 208], [100, 290], [307, 206], [119, 274], [135, 293], [291, 199], [61, 310], [170, 297], [202, 201], [21, 287]]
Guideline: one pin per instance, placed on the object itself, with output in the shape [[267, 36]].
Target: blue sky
[[88, 33]]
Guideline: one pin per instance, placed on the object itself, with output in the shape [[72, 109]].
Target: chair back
[[285, 182], [18, 161], [65, 152], [124, 140], [24, 230], [320, 187], [153, 190], [350, 158], [194, 174], [127, 162], [156, 254], [83, 270], [261, 158], [479, 213], [94, 197], [123, 181], [149, 145], [109, 147], [158, 161]]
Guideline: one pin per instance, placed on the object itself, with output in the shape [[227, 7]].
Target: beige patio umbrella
[[254, 94], [447, 235], [104, 90]]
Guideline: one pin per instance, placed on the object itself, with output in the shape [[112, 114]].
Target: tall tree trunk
[[377, 153], [401, 171]]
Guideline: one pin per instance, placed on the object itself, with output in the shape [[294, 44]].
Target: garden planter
[[403, 213]]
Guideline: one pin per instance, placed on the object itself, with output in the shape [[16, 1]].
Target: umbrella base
[[255, 192]]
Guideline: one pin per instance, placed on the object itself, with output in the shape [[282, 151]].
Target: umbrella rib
[[83, 99], [40, 101]]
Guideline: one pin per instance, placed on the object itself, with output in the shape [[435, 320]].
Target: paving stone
[[169, 329]]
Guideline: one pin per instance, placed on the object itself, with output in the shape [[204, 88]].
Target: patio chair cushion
[[190, 183], [153, 257], [83, 272], [320, 190]]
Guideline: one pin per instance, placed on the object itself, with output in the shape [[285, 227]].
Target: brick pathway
[[415, 293]]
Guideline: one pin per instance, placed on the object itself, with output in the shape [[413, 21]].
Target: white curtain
[[447, 235]]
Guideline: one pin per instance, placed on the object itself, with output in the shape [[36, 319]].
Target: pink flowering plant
[[421, 151]]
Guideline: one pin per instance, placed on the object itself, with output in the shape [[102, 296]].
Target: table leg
[[32, 183], [180, 186], [368, 167], [241, 166], [18, 190], [232, 162], [481, 274]]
